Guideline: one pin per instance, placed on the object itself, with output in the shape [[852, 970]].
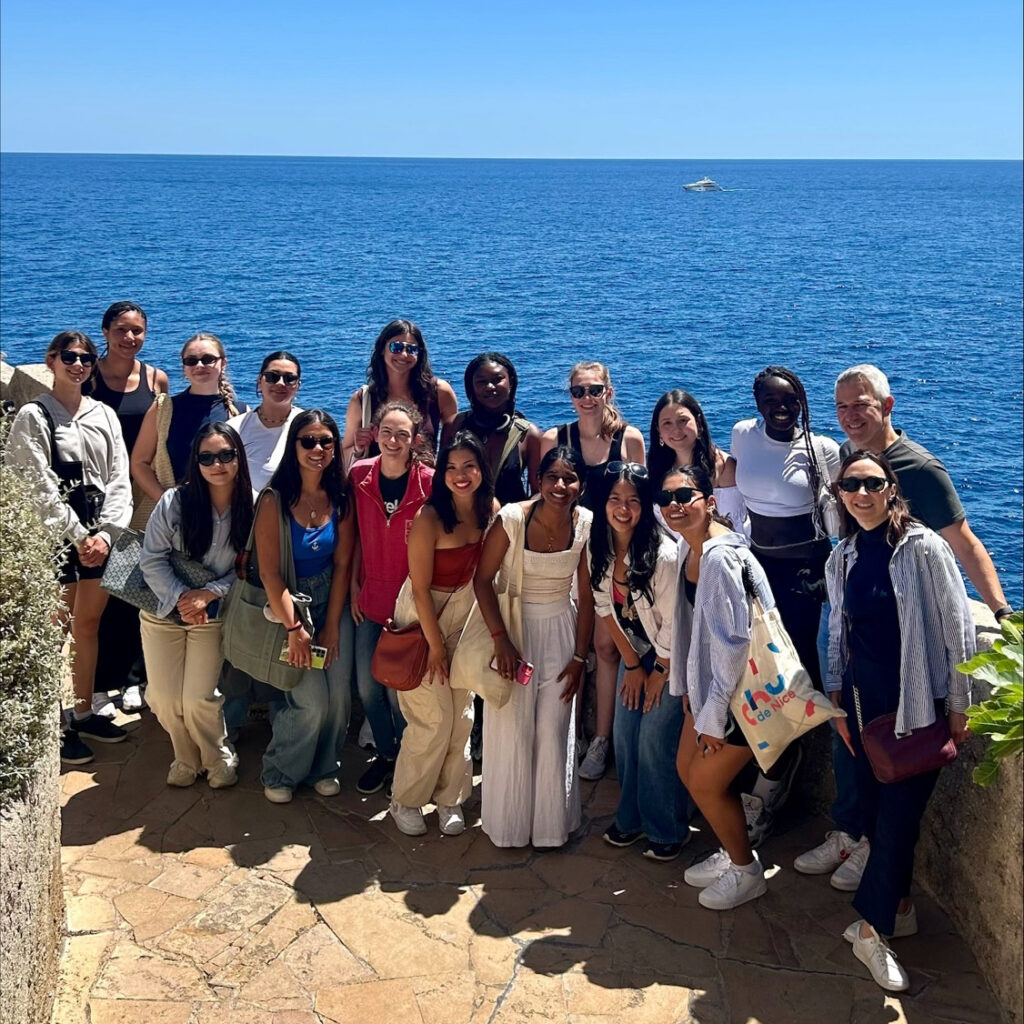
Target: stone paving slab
[[216, 907]]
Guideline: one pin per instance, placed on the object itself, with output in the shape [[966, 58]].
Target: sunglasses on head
[[206, 360], [224, 456], [273, 377], [871, 484], [594, 390], [632, 468], [311, 441], [397, 348], [69, 358], [679, 495]]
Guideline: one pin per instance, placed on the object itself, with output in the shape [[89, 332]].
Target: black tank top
[[569, 434], [130, 407]]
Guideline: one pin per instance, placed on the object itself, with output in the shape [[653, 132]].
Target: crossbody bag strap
[[516, 431], [51, 426], [845, 640]]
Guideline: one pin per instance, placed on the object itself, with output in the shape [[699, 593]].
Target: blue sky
[[783, 79]]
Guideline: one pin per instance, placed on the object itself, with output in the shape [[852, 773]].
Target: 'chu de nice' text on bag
[[775, 701]]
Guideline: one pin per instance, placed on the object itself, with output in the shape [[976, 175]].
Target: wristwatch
[[658, 667], [1001, 613]]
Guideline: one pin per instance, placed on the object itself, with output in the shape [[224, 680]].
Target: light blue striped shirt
[[936, 625]]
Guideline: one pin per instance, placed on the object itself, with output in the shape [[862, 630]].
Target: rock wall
[[31, 897], [969, 856]]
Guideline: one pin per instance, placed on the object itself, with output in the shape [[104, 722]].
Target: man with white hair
[[864, 405]]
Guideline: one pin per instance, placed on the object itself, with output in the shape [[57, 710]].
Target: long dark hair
[[196, 507], [421, 379], [660, 457], [646, 539], [899, 511], [805, 428], [441, 499], [287, 479]]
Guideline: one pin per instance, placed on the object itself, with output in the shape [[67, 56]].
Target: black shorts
[[733, 733], [71, 569]]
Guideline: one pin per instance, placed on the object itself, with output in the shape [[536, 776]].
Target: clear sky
[[536, 78]]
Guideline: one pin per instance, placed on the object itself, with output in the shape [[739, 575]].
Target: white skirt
[[529, 790]]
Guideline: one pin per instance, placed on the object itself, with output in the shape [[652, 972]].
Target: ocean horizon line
[[519, 159]]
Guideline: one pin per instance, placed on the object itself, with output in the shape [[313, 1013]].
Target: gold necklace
[[269, 423]]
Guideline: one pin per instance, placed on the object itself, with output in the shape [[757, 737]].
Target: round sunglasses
[[397, 348], [206, 360], [311, 441], [69, 358], [593, 390], [273, 377], [224, 457], [871, 484]]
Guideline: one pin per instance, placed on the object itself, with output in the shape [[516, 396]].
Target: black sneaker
[[616, 837], [73, 750], [662, 851], [98, 728], [379, 772]]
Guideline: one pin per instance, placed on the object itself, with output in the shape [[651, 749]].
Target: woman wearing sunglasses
[[207, 518], [680, 437], [263, 430], [899, 625], [308, 492], [530, 793], [388, 491], [160, 457], [710, 645], [600, 435], [74, 450], [633, 573], [399, 369]]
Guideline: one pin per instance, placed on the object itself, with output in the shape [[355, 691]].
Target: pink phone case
[[524, 670]]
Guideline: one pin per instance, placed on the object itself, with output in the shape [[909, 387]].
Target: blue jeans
[[380, 703], [652, 799], [312, 720]]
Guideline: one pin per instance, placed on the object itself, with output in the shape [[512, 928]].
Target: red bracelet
[[494, 636]]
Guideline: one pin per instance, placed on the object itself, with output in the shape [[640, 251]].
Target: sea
[[815, 265]]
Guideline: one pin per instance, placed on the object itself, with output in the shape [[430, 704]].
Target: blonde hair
[[611, 418], [224, 386]]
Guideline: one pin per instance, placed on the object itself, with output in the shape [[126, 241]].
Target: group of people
[[517, 551]]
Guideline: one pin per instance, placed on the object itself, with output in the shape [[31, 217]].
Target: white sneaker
[[906, 924], [759, 821], [278, 794], [409, 820], [846, 877], [453, 822], [180, 775], [596, 759], [824, 859], [734, 887], [221, 776], [366, 736], [131, 699], [103, 706], [327, 787], [880, 960], [709, 871]]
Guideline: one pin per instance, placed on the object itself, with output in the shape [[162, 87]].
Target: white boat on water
[[704, 185]]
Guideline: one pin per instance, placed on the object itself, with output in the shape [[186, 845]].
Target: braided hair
[[783, 373]]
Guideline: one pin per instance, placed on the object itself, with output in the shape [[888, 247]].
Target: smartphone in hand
[[524, 670]]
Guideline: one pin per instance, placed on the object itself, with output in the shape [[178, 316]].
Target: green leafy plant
[[1001, 716]]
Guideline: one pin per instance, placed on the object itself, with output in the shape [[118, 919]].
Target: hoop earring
[[661, 441]]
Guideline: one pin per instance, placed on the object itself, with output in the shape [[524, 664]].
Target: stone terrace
[[201, 907]]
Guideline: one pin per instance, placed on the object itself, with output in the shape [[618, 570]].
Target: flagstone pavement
[[194, 906]]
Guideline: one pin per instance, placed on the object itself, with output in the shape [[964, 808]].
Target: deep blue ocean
[[915, 266]]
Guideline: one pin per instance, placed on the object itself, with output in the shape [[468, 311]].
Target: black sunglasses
[[594, 390], [273, 377], [224, 456], [311, 441], [632, 468], [69, 358], [679, 495], [871, 484], [206, 360], [397, 348]]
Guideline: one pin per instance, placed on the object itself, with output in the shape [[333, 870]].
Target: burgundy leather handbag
[[894, 758]]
